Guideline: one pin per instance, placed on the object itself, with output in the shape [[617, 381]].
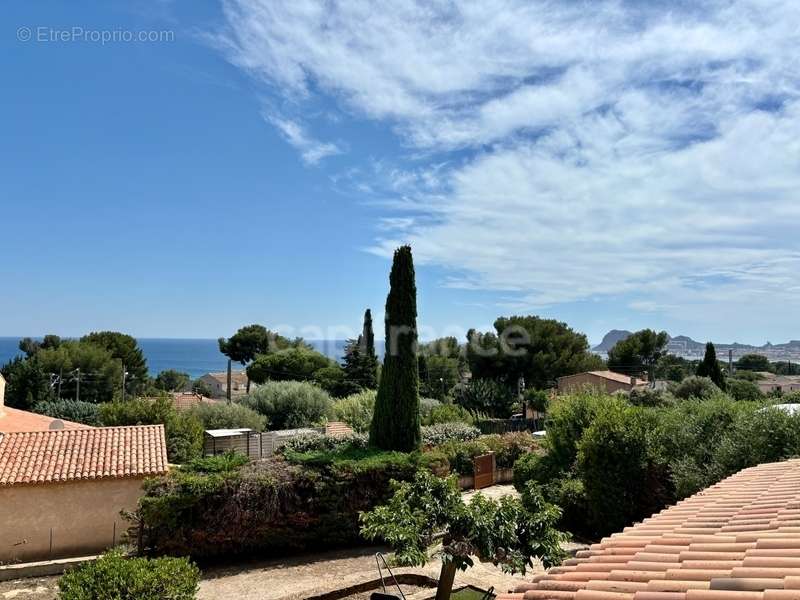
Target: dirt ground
[[296, 577]]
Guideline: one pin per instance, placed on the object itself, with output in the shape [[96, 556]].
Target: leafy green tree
[[783, 367], [700, 388], [639, 353], [509, 532], [30, 346], [202, 388], [298, 363], [88, 371], [126, 349], [674, 368], [742, 390], [171, 380], [441, 375], [396, 422], [753, 362], [224, 415], [333, 379], [254, 340], [540, 350], [486, 396], [26, 382], [360, 360], [710, 368]]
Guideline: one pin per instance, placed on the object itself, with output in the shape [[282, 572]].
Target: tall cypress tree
[[368, 355], [710, 367], [395, 423]]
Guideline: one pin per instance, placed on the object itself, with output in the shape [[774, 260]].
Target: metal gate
[[484, 469]]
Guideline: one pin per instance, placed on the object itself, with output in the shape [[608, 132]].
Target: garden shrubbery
[[609, 463], [221, 415], [356, 410], [78, 411], [436, 435], [115, 576], [290, 404], [448, 413], [306, 501]]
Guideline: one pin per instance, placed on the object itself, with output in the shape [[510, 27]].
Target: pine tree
[[395, 423], [710, 367]]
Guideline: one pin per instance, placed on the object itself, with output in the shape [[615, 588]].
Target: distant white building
[[218, 383]]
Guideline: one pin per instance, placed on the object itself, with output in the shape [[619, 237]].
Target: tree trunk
[[446, 578]]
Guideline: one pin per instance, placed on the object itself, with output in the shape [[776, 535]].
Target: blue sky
[[619, 167]]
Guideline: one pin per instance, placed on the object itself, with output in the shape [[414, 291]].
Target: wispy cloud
[[566, 151], [311, 150]]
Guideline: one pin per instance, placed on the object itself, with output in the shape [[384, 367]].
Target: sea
[[193, 356]]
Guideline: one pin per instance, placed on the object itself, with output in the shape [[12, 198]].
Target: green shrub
[[78, 411], [290, 404], [426, 405], [318, 442], [486, 396], [622, 481], [460, 454], [220, 463], [699, 388], [114, 576], [509, 447], [742, 390], [567, 419], [765, 435], [569, 494], [650, 397], [538, 400], [435, 435], [269, 507], [356, 410], [221, 415], [448, 413]]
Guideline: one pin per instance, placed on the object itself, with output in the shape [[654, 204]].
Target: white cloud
[[311, 150], [565, 151]]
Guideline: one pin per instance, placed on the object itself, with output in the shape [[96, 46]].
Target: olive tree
[[429, 510]]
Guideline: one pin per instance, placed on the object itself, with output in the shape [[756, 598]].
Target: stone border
[[42, 568], [374, 584]]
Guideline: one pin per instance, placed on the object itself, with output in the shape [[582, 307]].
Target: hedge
[[115, 576], [269, 507]]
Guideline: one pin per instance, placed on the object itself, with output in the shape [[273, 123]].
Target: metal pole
[[60, 377], [78, 387], [124, 375]]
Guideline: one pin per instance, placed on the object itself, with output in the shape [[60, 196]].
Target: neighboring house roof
[[237, 376], [13, 420], [82, 454], [337, 429], [222, 433], [610, 375], [736, 540], [184, 400]]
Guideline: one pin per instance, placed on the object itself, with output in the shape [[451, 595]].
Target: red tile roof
[[737, 540], [15, 420], [80, 454], [337, 429]]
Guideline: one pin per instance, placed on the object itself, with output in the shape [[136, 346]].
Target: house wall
[[83, 515], [574, 383]]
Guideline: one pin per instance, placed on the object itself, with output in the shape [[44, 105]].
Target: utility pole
[[730, 362], [60, 377], [78, 385], [124, 376], [521, 395]]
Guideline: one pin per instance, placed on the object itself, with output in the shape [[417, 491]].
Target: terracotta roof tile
[[79, 454], [736, 540]]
